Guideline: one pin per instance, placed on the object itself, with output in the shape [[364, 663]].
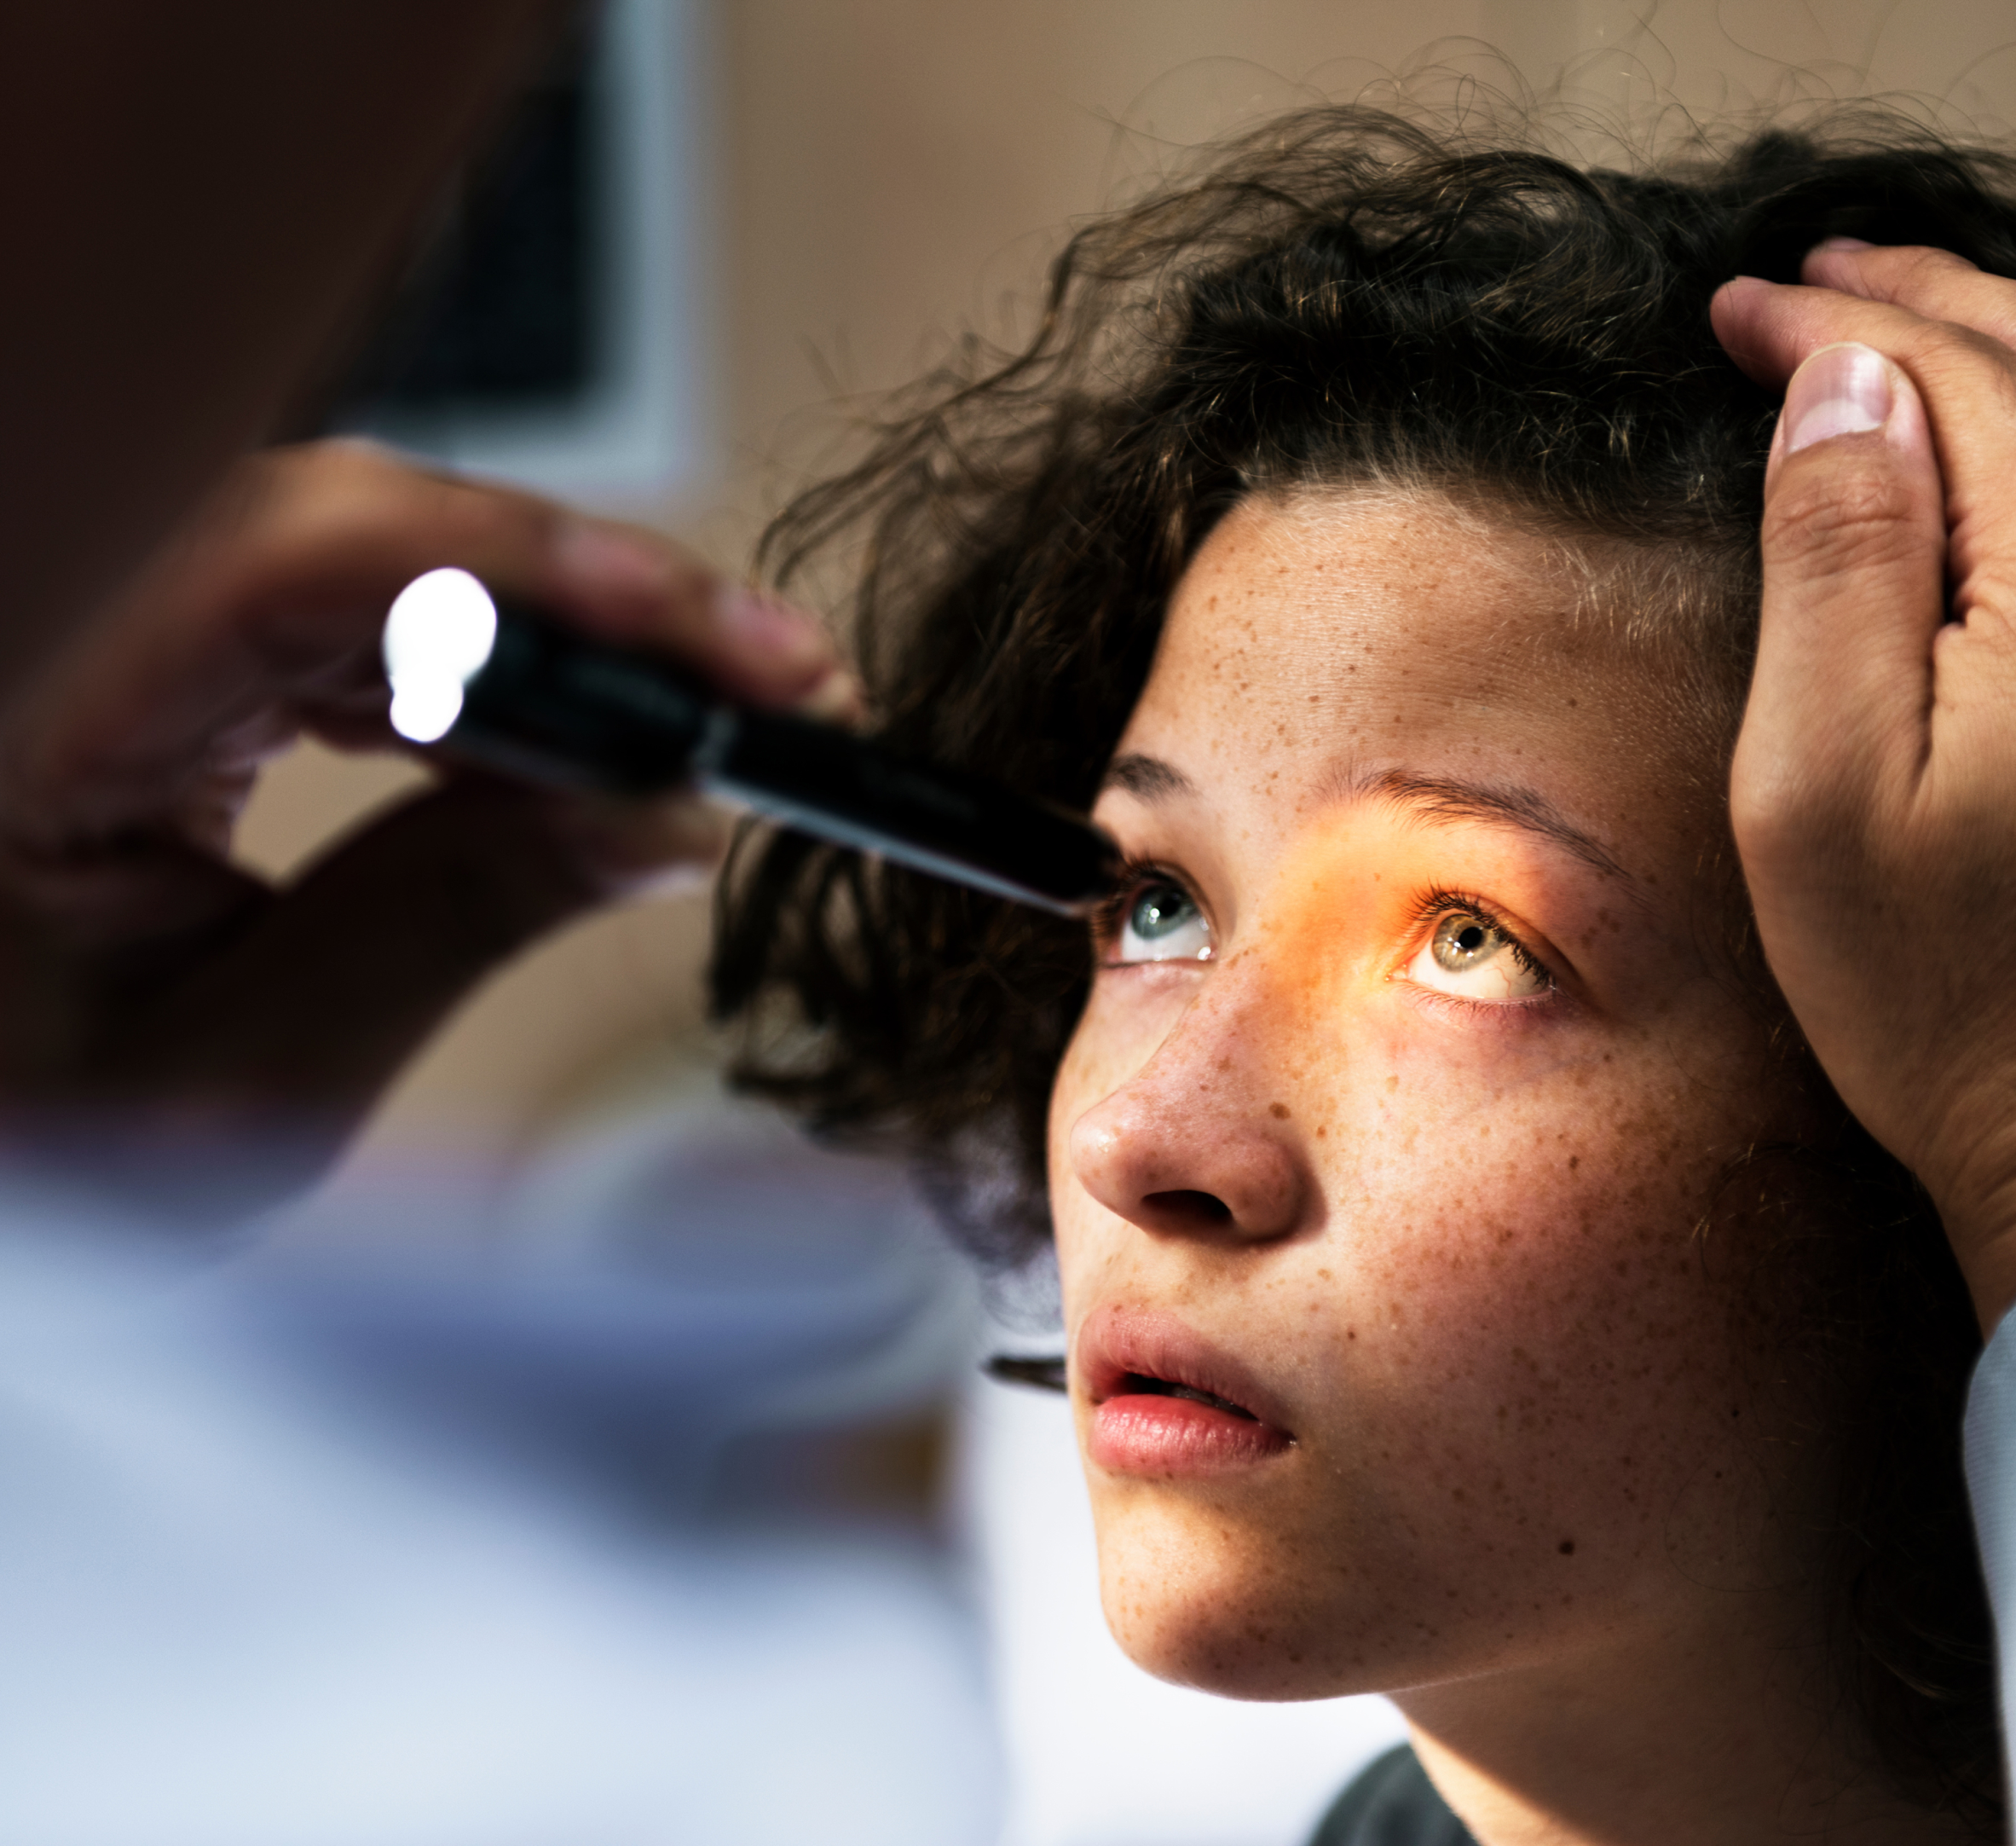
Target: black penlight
[[502, 685]]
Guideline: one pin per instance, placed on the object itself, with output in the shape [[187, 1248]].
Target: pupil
[[1160, 911], [1461, 941]]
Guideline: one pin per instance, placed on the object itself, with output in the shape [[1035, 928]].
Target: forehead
[[1341, 635]]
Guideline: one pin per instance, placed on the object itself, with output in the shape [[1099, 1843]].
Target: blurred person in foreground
[[249, 1592], [184, 1032], [201, 205]]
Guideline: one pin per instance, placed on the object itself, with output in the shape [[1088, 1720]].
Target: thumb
[[1854, 554]]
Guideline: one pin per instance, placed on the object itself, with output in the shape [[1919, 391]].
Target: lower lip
[[1145, 1433]]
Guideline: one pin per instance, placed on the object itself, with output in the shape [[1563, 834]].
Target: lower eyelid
[[1504, 1013], [1192, 964]]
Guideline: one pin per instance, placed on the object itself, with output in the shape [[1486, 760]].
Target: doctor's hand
[[170, 1022], [1874, 785]]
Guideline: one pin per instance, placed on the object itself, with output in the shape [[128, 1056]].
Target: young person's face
[[1405, 1092]]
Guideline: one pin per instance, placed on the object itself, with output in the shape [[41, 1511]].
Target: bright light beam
[[438, 634]]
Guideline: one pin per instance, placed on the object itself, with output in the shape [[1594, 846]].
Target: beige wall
[[891, 170], [900, 167]]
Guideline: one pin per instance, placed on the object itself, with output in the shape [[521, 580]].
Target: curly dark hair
[[1350, 298]]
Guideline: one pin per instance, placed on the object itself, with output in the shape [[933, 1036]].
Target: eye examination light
[[511, 687], [438, 636]]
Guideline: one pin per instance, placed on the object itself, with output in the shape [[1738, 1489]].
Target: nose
[[1192, 1145]]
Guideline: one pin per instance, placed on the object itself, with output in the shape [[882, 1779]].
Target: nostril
[[1198, 1208]]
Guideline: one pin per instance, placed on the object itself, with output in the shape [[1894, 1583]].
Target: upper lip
[[1119, 1347]]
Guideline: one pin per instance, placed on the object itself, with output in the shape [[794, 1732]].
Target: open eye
[[1161, 922], [1470, 955]]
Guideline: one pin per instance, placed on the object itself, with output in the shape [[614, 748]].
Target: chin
[[1226, 1619], [1225, 1662], [1196, 1597]]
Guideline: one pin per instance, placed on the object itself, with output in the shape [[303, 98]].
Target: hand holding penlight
[[502, 685]]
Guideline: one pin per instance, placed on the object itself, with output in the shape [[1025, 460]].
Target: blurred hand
[[169, 1018], [1874, 785]]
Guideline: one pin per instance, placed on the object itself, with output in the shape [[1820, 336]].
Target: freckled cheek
[[1116, 1036], [1489, 1242], [1088, 1242], [1528, 1253]]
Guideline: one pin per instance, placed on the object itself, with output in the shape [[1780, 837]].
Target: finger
[[1854, 551], [354, 524], [1966, 380], [1769, 328], [330, 987], [1934, 284], [268, 614], [753, 646]]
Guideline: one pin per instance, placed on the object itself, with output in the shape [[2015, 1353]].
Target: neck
[[1723, 1731]]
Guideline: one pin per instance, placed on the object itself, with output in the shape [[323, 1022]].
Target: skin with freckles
[[1389, 1168]]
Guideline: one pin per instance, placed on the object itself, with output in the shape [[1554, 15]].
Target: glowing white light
[[438, 634], [426, 714]]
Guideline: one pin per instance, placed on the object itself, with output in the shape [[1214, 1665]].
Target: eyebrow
[[1431, 798], [1446, 798], [1148, 778]]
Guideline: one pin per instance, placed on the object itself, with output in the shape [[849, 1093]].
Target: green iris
[[1461, 943], [1161, 909]]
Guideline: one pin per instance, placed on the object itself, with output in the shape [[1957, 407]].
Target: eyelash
[[1440, 903]]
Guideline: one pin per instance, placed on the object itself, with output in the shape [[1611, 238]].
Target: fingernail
[[604, 558], [1840, 390], [754, 622], [1844, 243]]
